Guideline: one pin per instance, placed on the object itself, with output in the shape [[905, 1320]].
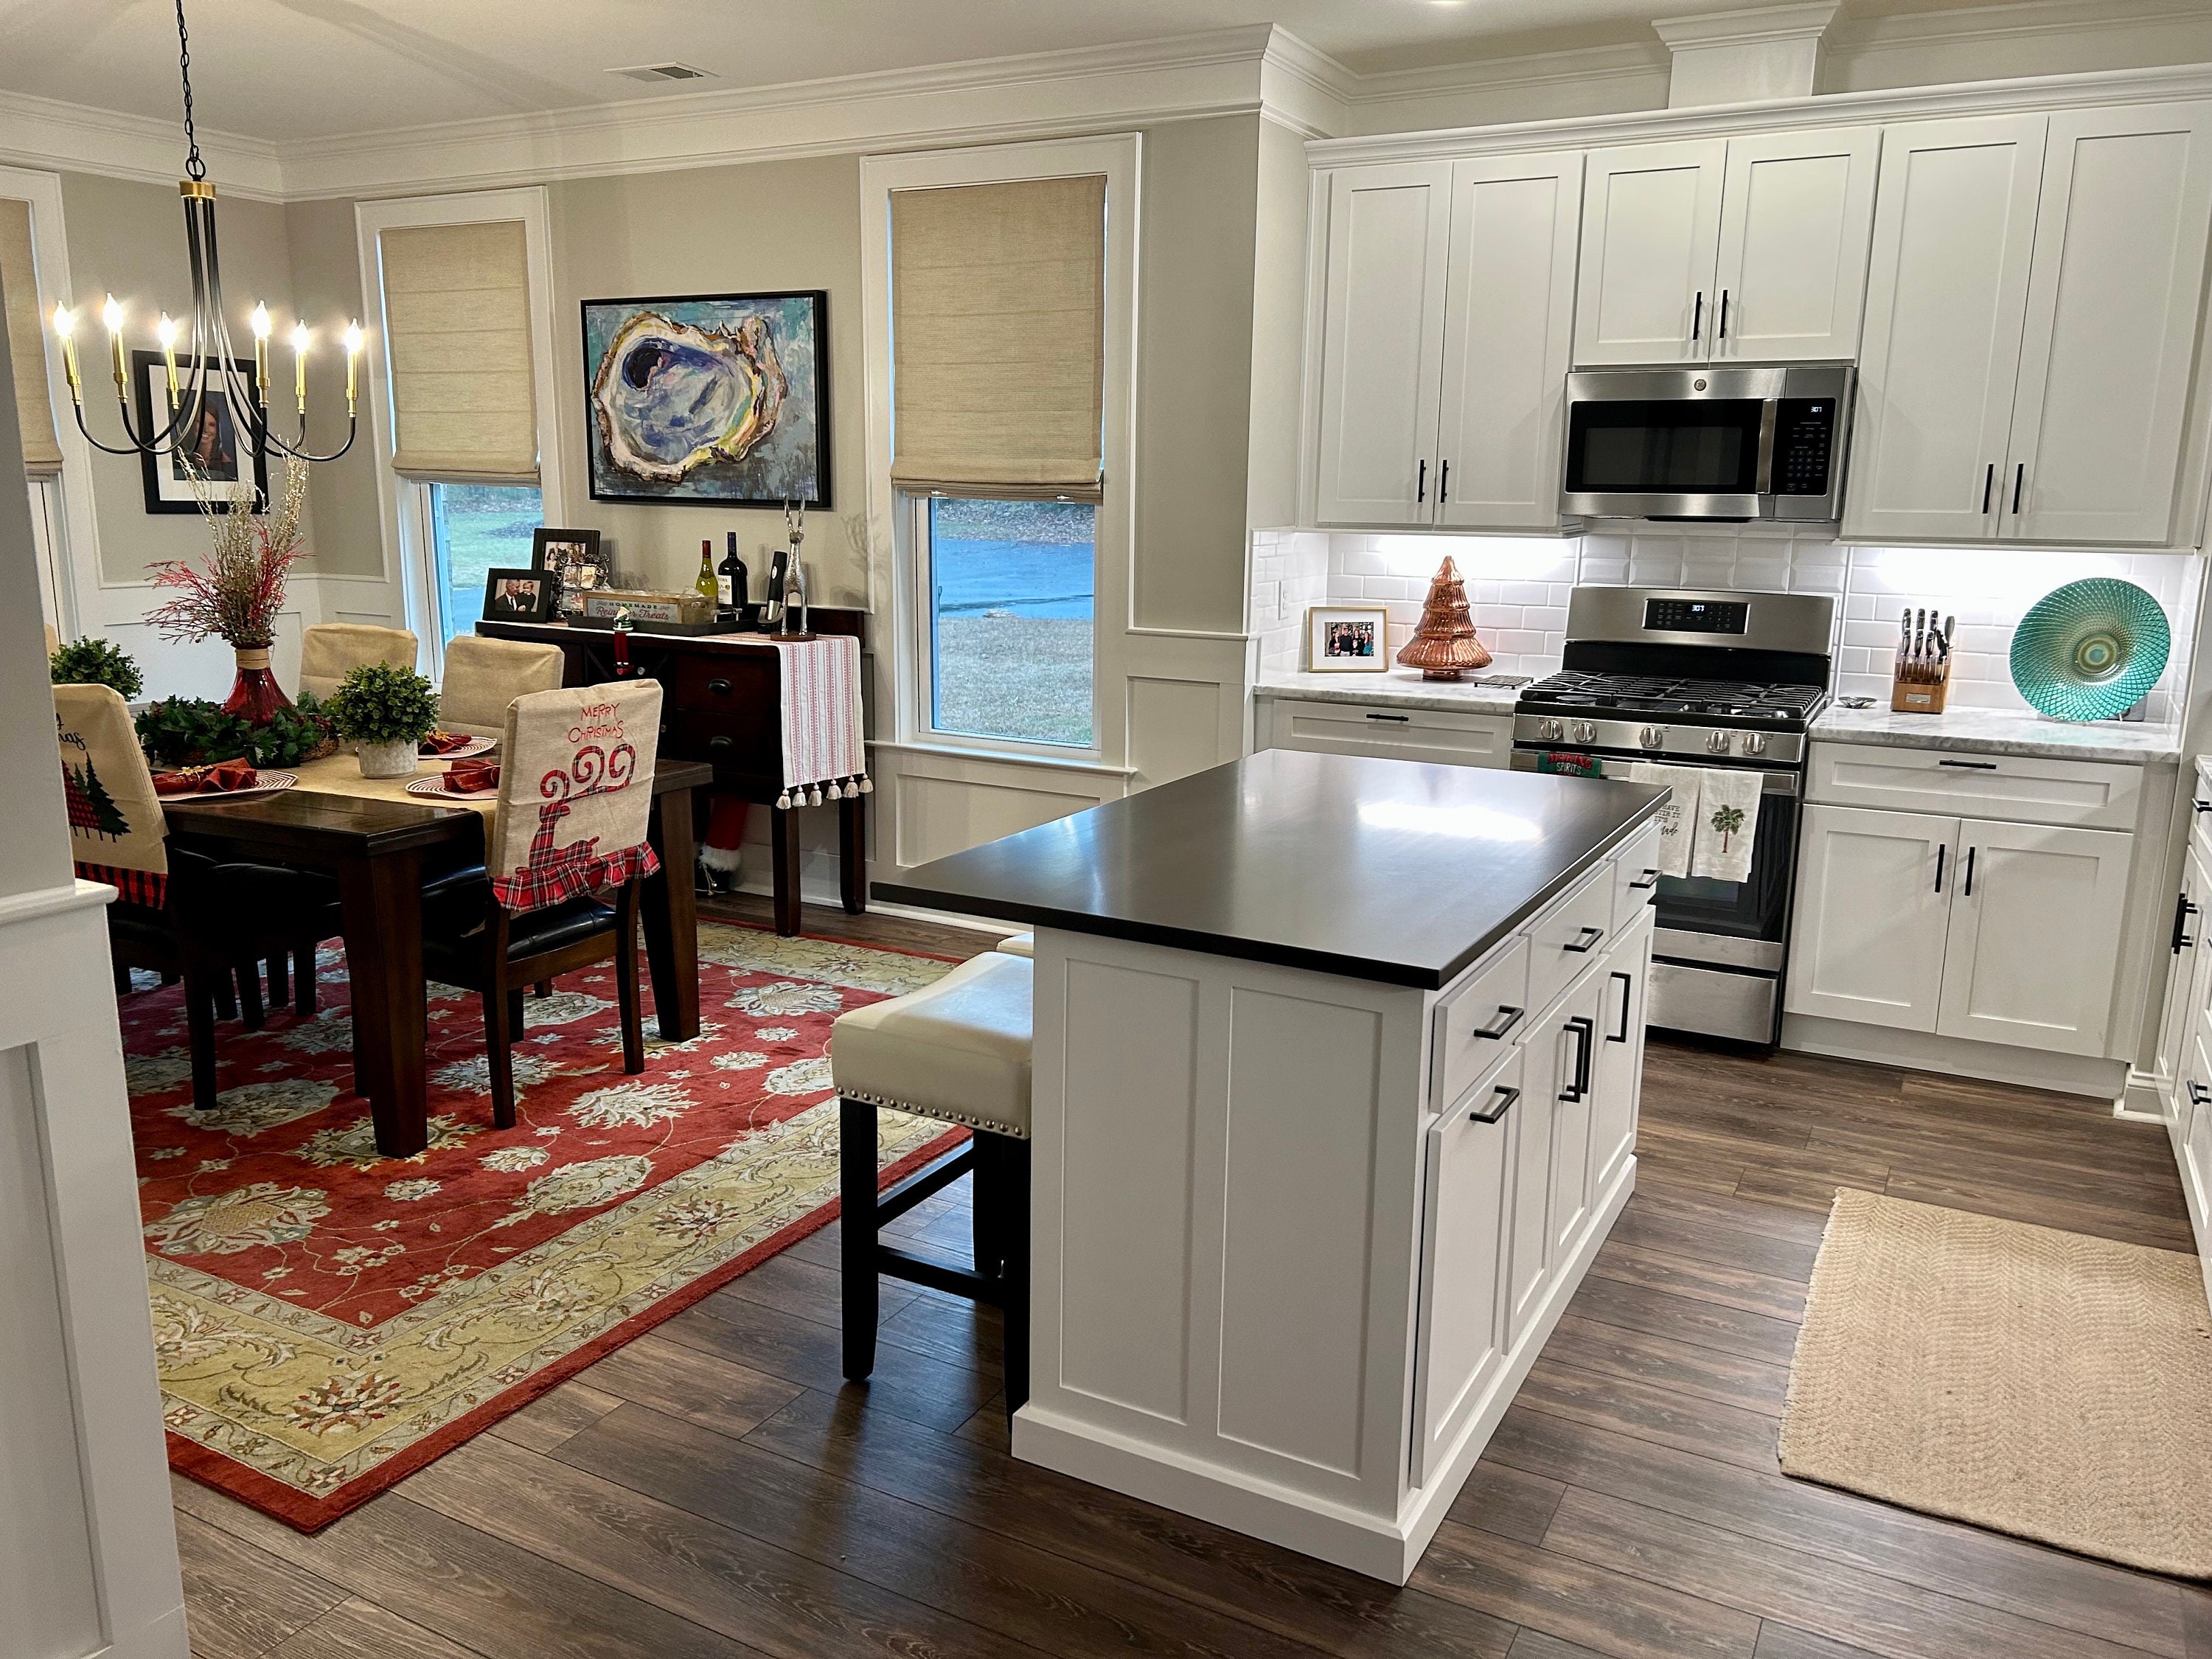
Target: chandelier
[[212, 373]]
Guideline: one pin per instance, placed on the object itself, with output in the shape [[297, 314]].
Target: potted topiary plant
[[96, 662], [385, 712]]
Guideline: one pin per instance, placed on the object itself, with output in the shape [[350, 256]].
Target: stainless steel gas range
[[1725, 681]]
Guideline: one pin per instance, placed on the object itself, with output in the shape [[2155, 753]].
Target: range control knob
[[1754, 743], [1547, 731], [1717, 742], [1585, 732], [1652, 737]]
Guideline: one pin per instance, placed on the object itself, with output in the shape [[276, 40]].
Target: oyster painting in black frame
[[715, 400]]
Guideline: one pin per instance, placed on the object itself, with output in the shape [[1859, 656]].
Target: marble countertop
[[2002, 732], [1401, 688]]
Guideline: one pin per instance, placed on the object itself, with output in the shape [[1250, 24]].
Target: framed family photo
[[217, 444], [573, 558], [516, 595], [1348, 639]]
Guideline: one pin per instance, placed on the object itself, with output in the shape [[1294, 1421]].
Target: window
[[472, 528], [1011, 586]]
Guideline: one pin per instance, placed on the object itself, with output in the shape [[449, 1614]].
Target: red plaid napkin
[[223, 776], [443, 742], [472, 777]]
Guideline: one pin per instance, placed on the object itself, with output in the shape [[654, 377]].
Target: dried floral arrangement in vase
[[1444, 646], [236, 591]]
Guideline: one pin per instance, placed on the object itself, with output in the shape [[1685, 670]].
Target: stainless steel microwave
[[1721, 442]]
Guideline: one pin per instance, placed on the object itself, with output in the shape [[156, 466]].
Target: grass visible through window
[[1011, 587], [475, 527]]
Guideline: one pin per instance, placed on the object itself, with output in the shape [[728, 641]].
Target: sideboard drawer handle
[[2199, 806], [1398, 720], [720, 740], [720, 687], [2197, 1097], [1582, 942], [1500, 1102], [1647, 881], [1506, 1020], [1970, 766]]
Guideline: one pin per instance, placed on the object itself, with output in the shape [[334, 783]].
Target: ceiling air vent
[[664, 72]]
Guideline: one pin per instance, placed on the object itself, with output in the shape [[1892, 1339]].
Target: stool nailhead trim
[[913, 1110]]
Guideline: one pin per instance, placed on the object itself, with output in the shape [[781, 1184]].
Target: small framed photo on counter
[[518, 595], [1348, 639]]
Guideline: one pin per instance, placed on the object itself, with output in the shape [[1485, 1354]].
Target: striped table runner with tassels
[[823, 754]]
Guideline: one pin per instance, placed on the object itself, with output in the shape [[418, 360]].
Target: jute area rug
[[2038, 1382], [326, 1321]]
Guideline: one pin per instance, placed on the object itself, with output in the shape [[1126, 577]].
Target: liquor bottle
[[734, 581], [705, 584]]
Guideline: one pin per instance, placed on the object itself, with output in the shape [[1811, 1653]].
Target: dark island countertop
[[1381, 870]]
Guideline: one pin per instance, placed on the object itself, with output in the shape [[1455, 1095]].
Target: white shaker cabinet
[[1619, 1087], [2110, 335], [1954, 239], [2184, 932], [1873, 906], [1651, 221], [1383, 330], [1750, 249], [1509, 329], [2034, 935]]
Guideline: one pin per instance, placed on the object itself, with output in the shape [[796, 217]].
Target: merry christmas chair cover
[[575, 792], [117, 832]]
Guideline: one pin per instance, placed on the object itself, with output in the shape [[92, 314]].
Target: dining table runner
[[823, 754], [340, 775]]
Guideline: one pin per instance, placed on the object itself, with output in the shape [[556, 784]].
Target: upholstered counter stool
[[1018, 944], [958, 1050]]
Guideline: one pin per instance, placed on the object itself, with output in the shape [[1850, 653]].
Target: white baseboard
[[2138, 1100], [1993, 1062]]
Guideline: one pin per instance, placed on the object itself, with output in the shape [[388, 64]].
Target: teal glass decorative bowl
[[2090, 649]]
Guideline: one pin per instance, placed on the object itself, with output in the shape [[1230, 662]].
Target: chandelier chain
[[195, 168]]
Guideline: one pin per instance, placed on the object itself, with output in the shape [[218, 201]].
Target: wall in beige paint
[[327, 286], [1279, 326], [128, 238]]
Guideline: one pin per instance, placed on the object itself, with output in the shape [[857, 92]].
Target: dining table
[[377, 839]]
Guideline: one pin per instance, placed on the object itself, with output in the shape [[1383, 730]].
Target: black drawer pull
[[2182, 910], [1628, 996], [1646, 882], [721, 740], [1588, 938], [720, 687], [2197, 1095], [1398, 720], [1506, 1020], [1500, 1102], [1970, 766], [1583, 1030], [2199, 806]]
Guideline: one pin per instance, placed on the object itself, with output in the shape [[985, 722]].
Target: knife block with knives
[[1920, 680]]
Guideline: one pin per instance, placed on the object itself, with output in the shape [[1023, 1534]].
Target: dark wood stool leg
[[1013, 1224], [225, 993], [856, 1171]]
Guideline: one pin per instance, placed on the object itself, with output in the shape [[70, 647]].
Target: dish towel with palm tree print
[[1727, 826]]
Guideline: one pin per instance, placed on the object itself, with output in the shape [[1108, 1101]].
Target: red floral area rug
[[327, 1320]]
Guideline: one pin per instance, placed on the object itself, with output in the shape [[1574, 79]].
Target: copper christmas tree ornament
[[1444, 646]]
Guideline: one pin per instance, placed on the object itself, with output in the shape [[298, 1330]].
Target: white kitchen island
[[1335, 1082]]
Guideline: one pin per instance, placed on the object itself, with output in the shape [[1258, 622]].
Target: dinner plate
[[468, 750], [264, 783], [435, 785]]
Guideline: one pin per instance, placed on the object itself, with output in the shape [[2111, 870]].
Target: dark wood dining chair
[[566, 855]]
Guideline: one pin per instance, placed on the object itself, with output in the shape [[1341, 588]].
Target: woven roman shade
[[997, 323], [456, 334], [27, 342]]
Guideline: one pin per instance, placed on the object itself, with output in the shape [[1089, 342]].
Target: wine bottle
[[706, 584], [733, 579]]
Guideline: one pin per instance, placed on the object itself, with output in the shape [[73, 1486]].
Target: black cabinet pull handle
[[2182, 909], [1583, 940], [1395, 720], [1506, 1020], [1989, 482], [2199, 806], [1969, 889], [720, 740], [2197, 1093], [1443, 482], [1723, 331], [1649, 880], [2019, 477], [1698, 318], [1421, 484], [1583, 1029], [1940, 851], [719, 687], [1500, 1102], [1628, 996], [1970, 766]]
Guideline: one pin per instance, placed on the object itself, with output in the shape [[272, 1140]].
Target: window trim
[[898, 529], [404, 504]]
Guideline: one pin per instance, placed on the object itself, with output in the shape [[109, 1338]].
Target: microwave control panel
[[1804, 445]]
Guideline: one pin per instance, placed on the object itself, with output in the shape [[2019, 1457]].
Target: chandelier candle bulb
[[261, 327], [300, 366], [165, 331], [65, 329], [112, 315], [353, 359]]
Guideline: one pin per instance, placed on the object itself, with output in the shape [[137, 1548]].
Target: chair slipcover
[[483, 676], [328, 650], [575, 793], [117, 832]]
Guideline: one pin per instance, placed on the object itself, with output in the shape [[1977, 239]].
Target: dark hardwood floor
[[713, 1490]]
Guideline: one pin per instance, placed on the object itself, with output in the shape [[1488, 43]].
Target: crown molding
[[1751, 26], [46, 133], [2041, 93], [1911, 31]]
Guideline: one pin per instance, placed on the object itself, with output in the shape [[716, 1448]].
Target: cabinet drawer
[[1635, 878], [1477, 1026], [1416, 734], [2024, 788], [1569, 937]]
